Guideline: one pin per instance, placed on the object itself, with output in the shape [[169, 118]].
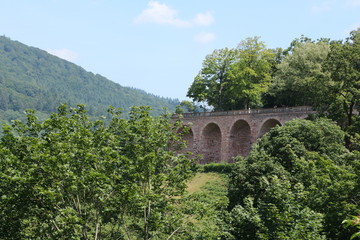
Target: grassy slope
[[205, 203], [201, 180]]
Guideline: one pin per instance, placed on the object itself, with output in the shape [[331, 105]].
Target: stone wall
[[219, 136]]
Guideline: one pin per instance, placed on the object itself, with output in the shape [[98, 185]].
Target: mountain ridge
[[33, 78]]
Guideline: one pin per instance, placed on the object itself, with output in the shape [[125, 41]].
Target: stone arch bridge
[[219, 136]]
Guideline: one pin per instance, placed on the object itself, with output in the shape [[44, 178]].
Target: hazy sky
[[159, 46]]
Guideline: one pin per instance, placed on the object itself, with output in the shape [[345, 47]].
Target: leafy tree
[[278, 214], [304, 165], [189, 106], [344, 65], [186, 106], [160, 173], [234, 78], [251, 74], [70, 178], [354, 134], [211, 84], [300, 78], [296, 42], [354, 222]]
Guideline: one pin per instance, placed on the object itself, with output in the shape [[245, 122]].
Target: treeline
[[321, 73], [71, 178], [301, 180], [32, 78]]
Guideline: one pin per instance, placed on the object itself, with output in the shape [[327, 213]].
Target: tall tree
[[211, 84], [344, 65], [251, 74], [70, 178], [300, 78], [159, 173], [234, 78]]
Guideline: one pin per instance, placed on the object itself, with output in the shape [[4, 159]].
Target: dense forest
[[31, 78], [72, 177]]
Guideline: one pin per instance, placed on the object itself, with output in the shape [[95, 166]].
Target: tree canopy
[[323, 74], [70, 178], [299, 182], [344, 66], [234, 78], [300, 78], [211, 84]]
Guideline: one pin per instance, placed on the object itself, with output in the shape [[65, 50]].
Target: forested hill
[[33, 78]]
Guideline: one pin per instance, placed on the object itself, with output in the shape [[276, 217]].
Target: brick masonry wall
[[219, 136]]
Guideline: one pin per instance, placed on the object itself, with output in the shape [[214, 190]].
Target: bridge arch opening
[[240, 139], [211, 144], [268, 125]]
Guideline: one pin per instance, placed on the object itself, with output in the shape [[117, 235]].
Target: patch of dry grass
[[200, 180]]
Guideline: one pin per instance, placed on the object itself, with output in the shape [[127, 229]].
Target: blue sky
[[159, 46]]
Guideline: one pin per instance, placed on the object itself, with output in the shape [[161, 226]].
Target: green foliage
[[354, 222], [217, 167], [278, 214], [234, 78], [322, 74], [354, 133], [32, 78], [187, 106], [251, 74], [344, 65], [205, 209], [210, 85], [70, 178], [300, 78], [299, 182]]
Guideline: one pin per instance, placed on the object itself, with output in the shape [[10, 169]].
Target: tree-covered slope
[[33, 78]]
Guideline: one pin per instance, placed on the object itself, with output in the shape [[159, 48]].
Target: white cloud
[[204, 37], [64, 54], [204, 19], [162, 14], [353, 3]]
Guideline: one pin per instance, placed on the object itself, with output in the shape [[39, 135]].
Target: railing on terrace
[[248, 111]]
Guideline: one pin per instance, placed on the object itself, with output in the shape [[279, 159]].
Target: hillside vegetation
[[32, 78], [69, 177], [323, 73]]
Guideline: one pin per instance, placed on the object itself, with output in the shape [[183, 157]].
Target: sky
[[159, 46]]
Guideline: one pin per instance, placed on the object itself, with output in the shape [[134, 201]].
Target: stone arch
[[267, 125], [211, 143], [240, 139]]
